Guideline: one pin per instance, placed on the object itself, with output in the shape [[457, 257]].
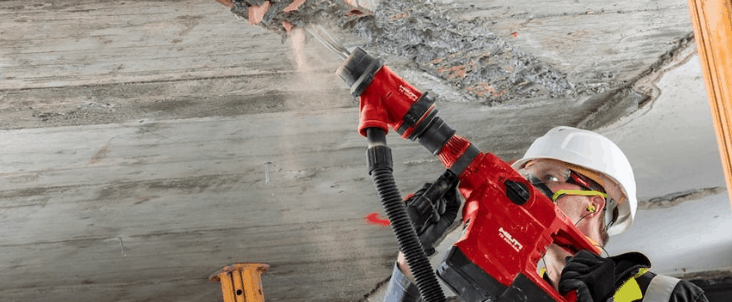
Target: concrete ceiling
[[146, 144]]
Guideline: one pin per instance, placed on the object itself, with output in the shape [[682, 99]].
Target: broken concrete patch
[[614, 105], [293, 6], [676, 198], [309, 12], [226, 3], [646, 82], [711, 277], [460, 52]]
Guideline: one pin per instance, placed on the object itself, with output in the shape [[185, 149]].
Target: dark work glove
[[628, 265], [432, 218], [593, 277]]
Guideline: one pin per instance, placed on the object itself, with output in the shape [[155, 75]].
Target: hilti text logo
[[512, 241], [407, 92]]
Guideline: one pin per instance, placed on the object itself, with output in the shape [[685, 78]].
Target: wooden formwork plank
[[712, 21]]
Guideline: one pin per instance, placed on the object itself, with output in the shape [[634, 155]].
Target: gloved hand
[[628, 265], [432, 219], [592, 276]]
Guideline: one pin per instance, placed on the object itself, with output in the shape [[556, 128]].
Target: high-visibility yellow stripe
[[630, 290]]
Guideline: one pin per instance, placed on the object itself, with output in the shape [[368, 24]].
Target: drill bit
[[327, 40]]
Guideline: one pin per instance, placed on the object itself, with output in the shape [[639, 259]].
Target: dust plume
[[314, 84], [297, 37]]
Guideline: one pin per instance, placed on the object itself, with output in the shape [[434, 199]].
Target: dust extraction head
[[358, 70]]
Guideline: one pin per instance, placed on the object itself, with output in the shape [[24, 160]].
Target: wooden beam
[[712, 20]]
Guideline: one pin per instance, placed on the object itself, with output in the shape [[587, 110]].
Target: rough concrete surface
[[684, 209], [134, 134], [124, 65], [685, 144]]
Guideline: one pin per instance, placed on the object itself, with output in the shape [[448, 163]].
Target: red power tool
[[508, 223]]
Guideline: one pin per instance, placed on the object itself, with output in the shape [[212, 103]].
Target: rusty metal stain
[[293, 6], [101, 154], [256, 12]]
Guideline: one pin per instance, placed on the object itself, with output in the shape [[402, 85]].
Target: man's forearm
[[402, 261], [401, 288]]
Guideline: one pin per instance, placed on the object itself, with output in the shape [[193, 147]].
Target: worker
[[589, 178]]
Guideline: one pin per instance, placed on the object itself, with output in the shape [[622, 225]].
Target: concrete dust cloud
[[315, 74], [314, 65], [298, 42]]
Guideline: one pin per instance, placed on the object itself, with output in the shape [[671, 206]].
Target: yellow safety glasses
[[577, 192]]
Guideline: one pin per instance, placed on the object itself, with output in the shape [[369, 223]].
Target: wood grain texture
[[713, 27]]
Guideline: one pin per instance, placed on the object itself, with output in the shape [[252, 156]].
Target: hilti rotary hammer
[[508, 223]]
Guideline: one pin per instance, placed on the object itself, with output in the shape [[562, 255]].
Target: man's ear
[[597, 206]]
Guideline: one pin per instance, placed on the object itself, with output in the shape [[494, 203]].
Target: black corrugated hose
[[380, 169]]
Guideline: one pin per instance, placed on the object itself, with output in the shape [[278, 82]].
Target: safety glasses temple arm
[[577, 192]]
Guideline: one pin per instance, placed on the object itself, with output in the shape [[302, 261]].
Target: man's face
[[578, 196], [579, 210], [586, 211]]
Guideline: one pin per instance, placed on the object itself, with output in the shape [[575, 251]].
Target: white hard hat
[[595, 152]]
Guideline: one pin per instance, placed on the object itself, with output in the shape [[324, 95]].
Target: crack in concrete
[[586, 12], [676, 56], [86, 285], [641, 90], [710, 278], [676, 198], [375, 289], [614, 104], [323, 71]]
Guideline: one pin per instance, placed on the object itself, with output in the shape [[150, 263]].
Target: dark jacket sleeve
[[687, 291], [684, 291]]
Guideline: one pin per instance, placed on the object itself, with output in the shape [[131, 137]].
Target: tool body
[[508, 223]]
